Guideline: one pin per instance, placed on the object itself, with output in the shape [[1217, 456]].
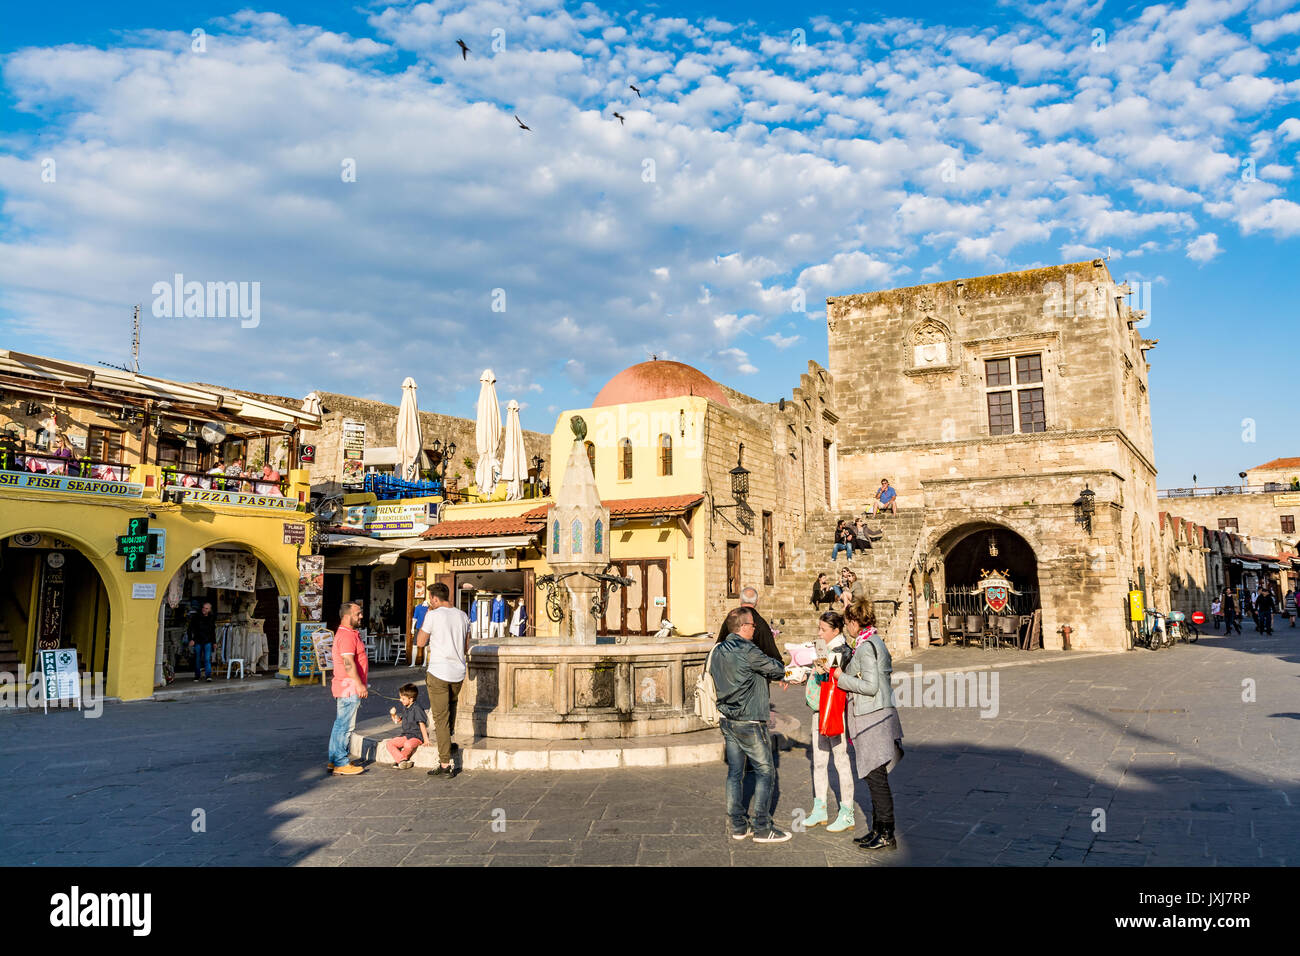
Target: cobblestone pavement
[[1184, 771]]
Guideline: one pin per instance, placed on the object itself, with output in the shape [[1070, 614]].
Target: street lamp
[[441, 457], [1242, 476], [740, 476], [1085, 507]]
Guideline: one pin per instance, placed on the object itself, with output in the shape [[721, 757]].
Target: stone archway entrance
[[969, 551], [51, 596]]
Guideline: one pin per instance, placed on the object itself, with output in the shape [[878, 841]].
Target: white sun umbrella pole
[[487, 434], [409, 440], [514, 463]]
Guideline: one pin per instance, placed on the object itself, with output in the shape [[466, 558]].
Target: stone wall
[[1256, 514], [381, 431]]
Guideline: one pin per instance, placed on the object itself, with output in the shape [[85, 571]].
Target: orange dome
[[658, 379]]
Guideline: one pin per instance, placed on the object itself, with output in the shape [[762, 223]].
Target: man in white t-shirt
[[445, 637]]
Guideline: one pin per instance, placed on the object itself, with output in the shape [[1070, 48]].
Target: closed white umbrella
[[409, 440], [514, 462], [487, 434]]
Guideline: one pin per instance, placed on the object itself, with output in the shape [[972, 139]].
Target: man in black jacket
[[740, 674], [764, 640], [203, 634]]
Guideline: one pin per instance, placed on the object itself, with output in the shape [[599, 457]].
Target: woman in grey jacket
[[872, 720]]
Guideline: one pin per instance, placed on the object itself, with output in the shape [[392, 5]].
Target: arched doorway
[[971, 551], [251, 609], [51, 596]]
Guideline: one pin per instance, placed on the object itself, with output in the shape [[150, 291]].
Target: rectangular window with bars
[[997, 372], [1029, 369], [1033, 416], [1001, 421]]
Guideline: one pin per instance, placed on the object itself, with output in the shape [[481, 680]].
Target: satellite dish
[[212, 433]]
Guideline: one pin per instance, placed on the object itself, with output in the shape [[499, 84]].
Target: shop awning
[[1248, 565]]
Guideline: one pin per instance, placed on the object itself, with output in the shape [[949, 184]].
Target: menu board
[[311, 586], [306, 650], [354, 453]]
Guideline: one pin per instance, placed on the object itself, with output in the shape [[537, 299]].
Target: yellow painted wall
[[92, 524]]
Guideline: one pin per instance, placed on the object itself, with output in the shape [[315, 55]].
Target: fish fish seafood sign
[[75, 909]]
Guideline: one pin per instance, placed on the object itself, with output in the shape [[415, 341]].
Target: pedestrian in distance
[[830, 630], [740, 674], [1265, 606], [1216, 610], [203, 634], [1230, 614], [1289, 604], [886, 498], [446, 634], [349, 687], [872, 720], [415, 727]]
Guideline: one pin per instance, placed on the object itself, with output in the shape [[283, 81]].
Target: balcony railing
[[1270, 488], [72, 467], [198, 479]]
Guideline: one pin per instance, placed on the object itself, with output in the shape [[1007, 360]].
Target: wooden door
[[767, 548], [826, 469]]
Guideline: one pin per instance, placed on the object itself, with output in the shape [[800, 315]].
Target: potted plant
[[453, 485]]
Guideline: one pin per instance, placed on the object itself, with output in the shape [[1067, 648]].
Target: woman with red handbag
[[872, 720], [828, 736]]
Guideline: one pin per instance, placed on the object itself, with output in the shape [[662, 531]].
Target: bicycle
[[1153, 634]]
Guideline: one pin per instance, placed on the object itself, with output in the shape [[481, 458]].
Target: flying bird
[[464, 50], [521, 123], [634, 90], [619, 117]]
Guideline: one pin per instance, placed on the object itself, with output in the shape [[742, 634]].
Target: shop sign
[[286, 632], [60, 679], [997, 590], [137, 544], [1137, 610], [500, 559], [295, 533], [306, 660], [1289, 500], [238, 499], [155, 561], [28, 481], [307, 454], [33, 539], [396, 520], [144, 591], [354, 452], [50, 620]]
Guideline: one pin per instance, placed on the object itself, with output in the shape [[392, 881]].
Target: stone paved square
[[1185, 771]]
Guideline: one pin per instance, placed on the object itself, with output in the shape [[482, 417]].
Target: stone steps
[[882, 570]]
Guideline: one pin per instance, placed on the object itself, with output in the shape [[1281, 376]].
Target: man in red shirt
[[348, 686]]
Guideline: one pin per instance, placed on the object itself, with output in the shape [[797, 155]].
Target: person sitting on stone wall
[[863, 535], [823, 592], [886, 498], [843, 540]]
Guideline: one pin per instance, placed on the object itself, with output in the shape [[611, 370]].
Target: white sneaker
[[772, 836]]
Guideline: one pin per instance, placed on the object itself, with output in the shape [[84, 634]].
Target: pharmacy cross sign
[[136, 543]]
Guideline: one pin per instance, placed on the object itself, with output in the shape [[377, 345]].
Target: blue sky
[[885, 145]]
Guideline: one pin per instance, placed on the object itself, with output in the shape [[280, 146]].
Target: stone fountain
[[578, 688]]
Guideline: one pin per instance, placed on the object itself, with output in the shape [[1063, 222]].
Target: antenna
[[135, 341]]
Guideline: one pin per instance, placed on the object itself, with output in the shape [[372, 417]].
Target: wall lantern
[[1085, 506], [740, 476], [993, 545]]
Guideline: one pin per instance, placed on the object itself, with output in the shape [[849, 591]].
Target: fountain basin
[[581, 692]]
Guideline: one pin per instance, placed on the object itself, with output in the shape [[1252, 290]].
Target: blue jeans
[[835, 552], [202, 660], [344, 720], [748, 740]]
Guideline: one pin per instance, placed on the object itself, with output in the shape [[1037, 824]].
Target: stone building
[[1011, 413]]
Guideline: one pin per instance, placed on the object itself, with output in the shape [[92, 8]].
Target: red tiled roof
[[484, 527], [1277, 463], [644, 507], [531, 521]]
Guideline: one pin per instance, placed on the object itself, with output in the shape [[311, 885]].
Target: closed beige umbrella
[[487, 434], [409, 440], [514, 461]]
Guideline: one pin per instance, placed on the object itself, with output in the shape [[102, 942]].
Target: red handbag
[[830, 712]]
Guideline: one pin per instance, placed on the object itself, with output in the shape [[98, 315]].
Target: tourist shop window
[[733, 569], [105, 445], [625, 459], [1228, 524], [1288, 524], [1014, 403], [665, 455]]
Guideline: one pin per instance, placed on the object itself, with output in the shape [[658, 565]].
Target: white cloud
[[1203, 248], [737, 360], [781, 341]]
